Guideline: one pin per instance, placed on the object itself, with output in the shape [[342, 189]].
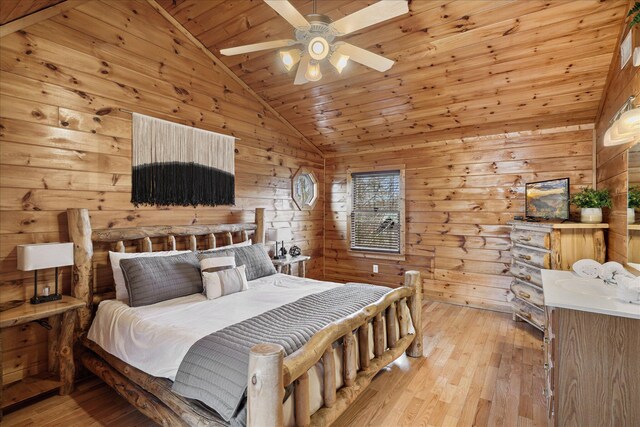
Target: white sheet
[[156, 338]]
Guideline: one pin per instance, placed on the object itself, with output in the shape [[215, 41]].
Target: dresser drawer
[[526, 273], [528, 312], [528, 293], [531, 256], [538, 239]]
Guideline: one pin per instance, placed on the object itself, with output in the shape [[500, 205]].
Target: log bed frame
[[270, 371]]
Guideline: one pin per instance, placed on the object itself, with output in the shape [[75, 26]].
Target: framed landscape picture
[[547, 199]]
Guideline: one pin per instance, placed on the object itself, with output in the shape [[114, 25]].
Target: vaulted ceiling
[[462, 67], [11, 10]]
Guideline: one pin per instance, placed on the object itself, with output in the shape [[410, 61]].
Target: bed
[[312, 385]]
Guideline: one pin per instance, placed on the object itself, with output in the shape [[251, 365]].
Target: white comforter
[[156, 338]]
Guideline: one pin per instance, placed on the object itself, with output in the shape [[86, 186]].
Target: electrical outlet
[[375, 268]]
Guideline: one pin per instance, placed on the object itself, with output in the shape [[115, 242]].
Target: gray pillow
[[154, 279], [255, 259]]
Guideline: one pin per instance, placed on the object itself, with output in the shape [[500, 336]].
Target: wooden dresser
[[539, 245]]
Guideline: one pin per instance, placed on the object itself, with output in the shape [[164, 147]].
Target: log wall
[[65, 143], [612, 161], [460, 194]]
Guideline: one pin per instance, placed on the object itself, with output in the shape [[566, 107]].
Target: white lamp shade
[[44, 255], [279, 234]]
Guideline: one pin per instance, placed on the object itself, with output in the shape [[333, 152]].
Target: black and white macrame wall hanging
[[175, 164]]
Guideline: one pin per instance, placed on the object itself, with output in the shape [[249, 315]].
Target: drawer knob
[[523, 256], [525, 315], [525, 277], [524, 294]]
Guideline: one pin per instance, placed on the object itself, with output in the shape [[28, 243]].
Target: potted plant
[[591, 202], [634, 203]]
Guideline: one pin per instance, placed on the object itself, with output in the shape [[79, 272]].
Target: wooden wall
[[460, 195], [612, 161], [64, 142]]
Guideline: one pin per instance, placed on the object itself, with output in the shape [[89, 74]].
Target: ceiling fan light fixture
[[313, 73], [339, 61], [318, 48], [290, 58]]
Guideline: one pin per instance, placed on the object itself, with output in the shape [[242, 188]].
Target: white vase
[[631, 215], [591, 215]]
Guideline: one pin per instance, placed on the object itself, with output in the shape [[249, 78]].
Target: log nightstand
[[284, 265], [61, 319]]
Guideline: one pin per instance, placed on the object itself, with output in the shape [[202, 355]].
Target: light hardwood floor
[[481, 369]]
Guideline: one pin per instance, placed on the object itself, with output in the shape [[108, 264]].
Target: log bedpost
[[302, 409], [349, 367], [265, 387], [378, 335], [260, 226], [147, 246], [392, 321], [80, 235], [329, 365], [412, 280], [193, 243], [363, 346], [171, 243]]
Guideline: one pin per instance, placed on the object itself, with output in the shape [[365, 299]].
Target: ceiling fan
[[316, 34]]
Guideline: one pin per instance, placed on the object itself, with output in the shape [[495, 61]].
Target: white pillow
[[225, 282], [234, 245], [121, 289]]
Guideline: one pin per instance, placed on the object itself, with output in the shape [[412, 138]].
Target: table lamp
[[39, 256], [279, 235]]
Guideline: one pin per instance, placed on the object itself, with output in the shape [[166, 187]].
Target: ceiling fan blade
[[378, 12], [364, 57], [256, 47], [302, 69], [290, 13]]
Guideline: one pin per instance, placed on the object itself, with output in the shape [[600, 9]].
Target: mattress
[[156, 338]]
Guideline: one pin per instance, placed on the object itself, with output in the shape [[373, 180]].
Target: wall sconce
[[624, 127], [40, 256]]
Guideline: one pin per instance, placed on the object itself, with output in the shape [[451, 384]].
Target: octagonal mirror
[[305, 189]]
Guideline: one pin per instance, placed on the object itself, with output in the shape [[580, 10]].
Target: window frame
[[401, 256]]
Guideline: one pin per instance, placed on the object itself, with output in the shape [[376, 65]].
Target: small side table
[[284, 265], [61, 316]]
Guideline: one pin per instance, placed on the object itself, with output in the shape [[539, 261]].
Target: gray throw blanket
[[215, 369]]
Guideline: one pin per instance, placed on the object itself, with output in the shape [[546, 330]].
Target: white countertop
[[557, 295]]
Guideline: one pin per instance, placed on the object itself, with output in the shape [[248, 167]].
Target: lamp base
[[40, 299], [279, 257]]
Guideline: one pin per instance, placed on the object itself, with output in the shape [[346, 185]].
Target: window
[[376, 216]]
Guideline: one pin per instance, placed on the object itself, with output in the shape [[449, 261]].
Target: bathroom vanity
[[592, 353]]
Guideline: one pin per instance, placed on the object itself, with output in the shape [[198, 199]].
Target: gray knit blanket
[[215, 369]]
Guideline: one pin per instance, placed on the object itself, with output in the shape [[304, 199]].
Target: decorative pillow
[[234, 245], [121, 288], [255, 258], [154, 279], [225, 282]]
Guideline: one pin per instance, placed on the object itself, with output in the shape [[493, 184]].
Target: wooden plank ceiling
[[463, 67], [10, 10]]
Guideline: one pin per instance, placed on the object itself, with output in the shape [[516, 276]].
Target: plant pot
[[631, 215], [591, 215]]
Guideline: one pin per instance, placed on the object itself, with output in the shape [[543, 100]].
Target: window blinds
[[375, 211]]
